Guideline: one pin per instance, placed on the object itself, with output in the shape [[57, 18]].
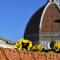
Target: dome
[[50, 22], [46, 20], [32, 29]]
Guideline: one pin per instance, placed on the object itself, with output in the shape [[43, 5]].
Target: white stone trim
[[43, 14], [49, 45]]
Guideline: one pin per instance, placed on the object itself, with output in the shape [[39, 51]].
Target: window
[[57, 21]]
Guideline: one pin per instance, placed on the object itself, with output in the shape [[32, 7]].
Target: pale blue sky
[[14, 15]]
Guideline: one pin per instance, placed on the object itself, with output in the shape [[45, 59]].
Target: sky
[[14, 16]]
